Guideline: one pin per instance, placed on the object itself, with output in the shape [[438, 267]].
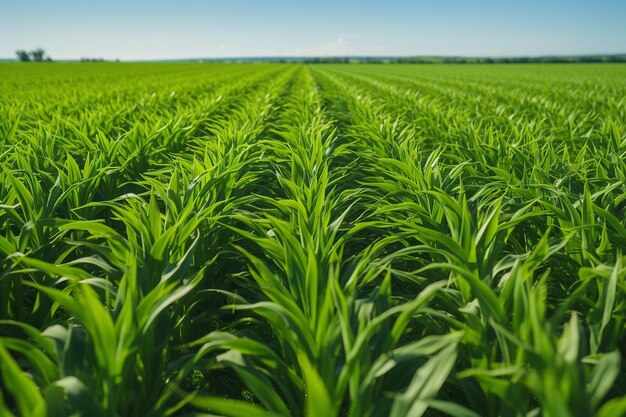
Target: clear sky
[[158, 29]]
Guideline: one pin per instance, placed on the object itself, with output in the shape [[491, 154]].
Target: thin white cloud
[[337, 47]]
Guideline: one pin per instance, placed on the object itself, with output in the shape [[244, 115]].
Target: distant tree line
[[331, 60], [85, 59], [514, 60], [39, 55], [462, 60], [36, 55]]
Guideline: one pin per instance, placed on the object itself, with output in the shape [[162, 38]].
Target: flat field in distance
[[299, 240]]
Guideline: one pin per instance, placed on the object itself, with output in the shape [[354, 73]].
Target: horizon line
[[347, 56]]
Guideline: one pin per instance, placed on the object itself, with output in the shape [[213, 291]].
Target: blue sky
[[158, 29]]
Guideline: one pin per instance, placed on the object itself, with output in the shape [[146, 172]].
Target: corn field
[[250, 240]]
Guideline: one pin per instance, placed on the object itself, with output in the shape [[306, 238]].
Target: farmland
[[312, 240]]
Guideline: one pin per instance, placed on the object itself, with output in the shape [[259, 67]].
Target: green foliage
[[290, 240], [36, 55]]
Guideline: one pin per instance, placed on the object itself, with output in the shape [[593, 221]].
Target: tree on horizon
[[36, 55]]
